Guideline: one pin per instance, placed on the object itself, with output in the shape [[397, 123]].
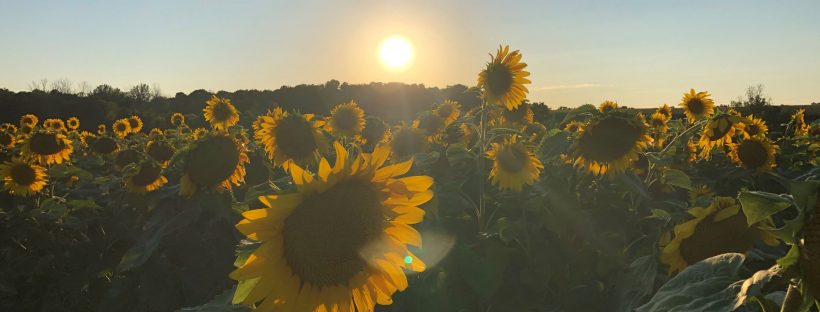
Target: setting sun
[[396, 52]]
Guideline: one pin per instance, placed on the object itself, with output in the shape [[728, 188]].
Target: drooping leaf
[[753, 286], [677, 178], [757, 206]]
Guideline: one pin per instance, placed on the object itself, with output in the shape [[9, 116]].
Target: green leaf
[[790, 258], [677, 178], [583, 109], [757, 206], [753, 286], [483, 273], [145, 246], [243, 289], [637, 282], [709, 285], [77, 204]]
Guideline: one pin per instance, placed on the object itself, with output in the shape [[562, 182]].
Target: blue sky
[[639, 53]]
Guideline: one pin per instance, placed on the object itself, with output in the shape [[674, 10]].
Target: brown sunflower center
[[295, 137], [126, 157], [714, 238], [407, 141], [134, 123], [658, 123], [608, 140], [160, 151], [23, 174], [120, 127], [6, 139], [512, 158], [752, 129], [696, 106], [27, 120], [346, 119], [499, 79], [46, 144], [147, 174], [105, 146], [325, 235], [752, 153], [213, 160], [222, 111], [444, 111], [176, 120]]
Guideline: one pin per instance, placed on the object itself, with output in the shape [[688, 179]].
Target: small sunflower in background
[[21, 178], [718, 132], [177, 119], [659, 125], [220, 113], [692, 149], [104, 145], [797, 125], [448, 111], [757, 153], [534, 132], [609, 143], [6, 139], [126, 157], [155, 133], [101, 129], [408, 141], [121, 128], [717, 229], [520, 115], [85, 137], [214, 160], [753, 126], [573, 126], [697, 106], [502, 81], [459, 133], [291, 138], [48, 148], [6, 126], [200, 132], [514, 166], [73, 123], [431, 125], [666, 111], [346, 120], [29, 120], [146, 179], [135, 123], [375, 132], [607, 106], [340, 241], [54, 124], [160, 151]]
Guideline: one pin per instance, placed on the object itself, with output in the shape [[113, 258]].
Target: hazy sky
[[639, 53]]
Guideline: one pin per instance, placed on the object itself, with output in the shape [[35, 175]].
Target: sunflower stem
[[482, 137]]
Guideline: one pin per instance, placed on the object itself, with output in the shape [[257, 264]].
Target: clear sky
[[639, 53]]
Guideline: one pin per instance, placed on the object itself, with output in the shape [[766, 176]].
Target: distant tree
[[140, 92], [106, 90], [63, 85], [40, 85], [156, 91], [755, 98], [84, 88]]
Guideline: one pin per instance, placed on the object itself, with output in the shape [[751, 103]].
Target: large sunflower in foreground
[[756, 153], [220, 113], [21, 178], [215, 160], [121, 128], [610, 143], [48, 148], [503, 80], [448, 111], [339, 243], [717, 229], [697, 105], [717, 132], [346, 120], [146, 179], [513, 165], [291, 138]]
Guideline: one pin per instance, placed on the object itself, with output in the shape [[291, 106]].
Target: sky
[[638, 53]]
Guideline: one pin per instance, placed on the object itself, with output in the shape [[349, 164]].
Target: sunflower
[[504, 78], [148, 178], [610, 143], [160, 151], [104, 145], [717, 132], [573, 126], [257, 123], [155, 133], [6, 139], [29, 120], [448, 111], [798, 125], [136, 123], [21, 178], [513, 165], [717, 229], [459, 133], [54, 124], [25, 130], [121, 128], [291, 138], [375, 132], [534, 132], [431, 125], [753, 126], [607, 106], [220, 113], [340, 242], [127, 157], [48, 148], [200, 132], [517, 116], [101, 129], [177, 119], [346, 120], [73, 123], [754, 153], [408, 141], [697, 105], [658, 122], [666, 111], [692, 149], [215, 160], [85, 137]]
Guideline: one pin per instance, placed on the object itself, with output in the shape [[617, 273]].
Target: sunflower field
[[688, 207]]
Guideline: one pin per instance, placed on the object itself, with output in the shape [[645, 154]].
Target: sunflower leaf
[[753, 286], [677, 178], [757, 206]]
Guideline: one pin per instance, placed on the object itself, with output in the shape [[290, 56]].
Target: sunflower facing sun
[[514, 166], [339, 242], [346, 120], [21, 178], [220, 113], [697, 105], [502, 82]]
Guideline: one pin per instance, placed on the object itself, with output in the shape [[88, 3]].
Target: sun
[[396, 53]]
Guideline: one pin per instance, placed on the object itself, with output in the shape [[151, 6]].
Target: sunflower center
[[120, 127], [5, 139], [696, 106], [609, 140], [133, 122], [752, 129], [752, 153], [445, 111], [46, 144], [324, 236], [23, 174], [512, 158], [213, 160], [222, 111], [346, 119], [714, 238], [294, 136], [27, 120], [499, 79], [105, 145]]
